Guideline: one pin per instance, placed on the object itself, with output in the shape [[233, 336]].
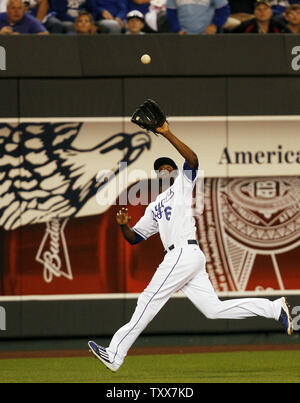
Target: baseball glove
[[149, 116]]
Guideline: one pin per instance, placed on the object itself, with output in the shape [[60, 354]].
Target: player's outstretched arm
[[182, 148], [123, 220]]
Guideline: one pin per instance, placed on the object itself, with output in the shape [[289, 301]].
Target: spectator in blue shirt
[[63, 14], [16, 21], [111, 15], [197, 16]]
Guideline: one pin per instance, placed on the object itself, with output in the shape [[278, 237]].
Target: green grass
[[256, 366]]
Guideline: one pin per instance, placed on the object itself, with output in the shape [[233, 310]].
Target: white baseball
[[145, 59]]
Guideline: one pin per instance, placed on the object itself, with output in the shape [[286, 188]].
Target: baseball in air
[[145, 59]]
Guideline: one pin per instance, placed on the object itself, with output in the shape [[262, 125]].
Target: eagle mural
[[43, 175]]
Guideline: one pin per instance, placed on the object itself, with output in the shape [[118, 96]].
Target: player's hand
[[123, 217]]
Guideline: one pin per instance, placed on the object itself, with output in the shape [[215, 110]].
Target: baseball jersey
[[171, 213]]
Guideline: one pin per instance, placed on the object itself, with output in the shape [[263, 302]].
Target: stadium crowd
[[148, 16]]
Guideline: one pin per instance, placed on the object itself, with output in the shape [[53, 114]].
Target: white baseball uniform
[[183, 268]]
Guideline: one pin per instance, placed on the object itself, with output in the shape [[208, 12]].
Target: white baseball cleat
[[285, 316], [101, 353]]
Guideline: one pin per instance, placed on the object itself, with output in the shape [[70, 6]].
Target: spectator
[[140, 5], [262, 22], [144, 6], [16, 21], [292, 15], [135, 23], [37, 8], [84, 24], [279, 7], [112, 14], [64, 12], [156, 18], [196, 16]]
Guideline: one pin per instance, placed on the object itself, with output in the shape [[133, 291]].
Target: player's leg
[[177, 268], [201, 292], [149, 304]]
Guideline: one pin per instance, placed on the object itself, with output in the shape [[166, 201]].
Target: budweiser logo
[[53, 252]]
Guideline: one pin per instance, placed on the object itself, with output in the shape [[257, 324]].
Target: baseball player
[[183, 266]]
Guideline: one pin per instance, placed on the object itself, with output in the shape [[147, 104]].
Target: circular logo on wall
[[263, 214]]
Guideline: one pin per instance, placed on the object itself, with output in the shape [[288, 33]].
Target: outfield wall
[[65, 110]]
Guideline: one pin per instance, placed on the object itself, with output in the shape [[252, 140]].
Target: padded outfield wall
[[65, 110]]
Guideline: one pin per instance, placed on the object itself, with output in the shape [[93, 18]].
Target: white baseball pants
[[184, 269]]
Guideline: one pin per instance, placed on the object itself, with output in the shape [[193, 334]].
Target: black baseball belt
[[189, 241]]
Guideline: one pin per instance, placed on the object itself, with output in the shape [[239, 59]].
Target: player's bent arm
[[130, 236], [189, 155]]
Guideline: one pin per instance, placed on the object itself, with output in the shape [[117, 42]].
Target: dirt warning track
[[151, 350]]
